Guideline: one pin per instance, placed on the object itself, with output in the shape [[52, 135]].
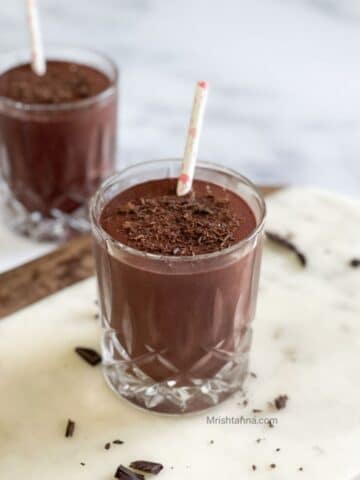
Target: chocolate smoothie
[[187, 321], [57, 135]]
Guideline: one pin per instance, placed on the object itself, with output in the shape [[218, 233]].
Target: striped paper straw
[[37, 53], [185, 179]]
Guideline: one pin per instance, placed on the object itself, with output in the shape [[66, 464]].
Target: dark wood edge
[[49, 274]]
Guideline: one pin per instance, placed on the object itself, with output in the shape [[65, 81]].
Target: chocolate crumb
[[272, 465], [281, 401], [301, 469], [107, 445], [277, 450], [82, 464], [117, 442], [256, 410], [123, 473], [258, 440], [147, 467], [284, 242], [253, 467], [70, 428], [90, 356], [355, 262]]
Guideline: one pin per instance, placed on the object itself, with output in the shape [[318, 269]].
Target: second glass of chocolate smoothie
[[178, 281], [57, 139]]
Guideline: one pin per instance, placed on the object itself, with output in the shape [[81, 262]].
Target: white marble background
[[284, 105]]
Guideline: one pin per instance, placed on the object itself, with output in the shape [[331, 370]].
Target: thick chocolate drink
[[183, 319], [57, 135]]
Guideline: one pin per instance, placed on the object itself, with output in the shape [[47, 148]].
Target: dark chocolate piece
[[147, 467], [117, 442], [253, 467], [82, 464], [272, 465], [70, 428], [123, 473], [92, 357], [284, 242], [256, 410], [277, 450], [281, 401], [107, 445], [355, 262]]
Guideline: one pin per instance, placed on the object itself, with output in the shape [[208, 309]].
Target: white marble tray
[[306, 345]]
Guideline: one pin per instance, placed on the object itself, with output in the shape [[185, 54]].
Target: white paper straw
[[186, 176], [37, 52]]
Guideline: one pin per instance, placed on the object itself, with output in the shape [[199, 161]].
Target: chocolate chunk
[[117, 442], [253, 467], [123, 473], [147, 467], [256, 410], [277, 450], [284, 242], [92, 357], [281, 401], [107, 445], [70, 428], [272, 465], [355, 262], [82, 464]]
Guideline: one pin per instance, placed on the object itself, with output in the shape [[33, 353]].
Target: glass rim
[[63, 106], [177, 259]]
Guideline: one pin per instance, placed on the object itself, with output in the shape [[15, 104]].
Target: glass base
[[57, 227], [178, 395]]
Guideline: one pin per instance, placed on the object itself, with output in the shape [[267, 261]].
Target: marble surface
[[284, 105], [306, 344]]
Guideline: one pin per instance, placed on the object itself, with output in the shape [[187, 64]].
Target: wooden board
[[46, 275]]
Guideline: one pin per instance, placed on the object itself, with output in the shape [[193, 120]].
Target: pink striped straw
[[37, 53], [185, 179]]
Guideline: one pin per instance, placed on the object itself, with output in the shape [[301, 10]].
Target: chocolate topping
[[157, 221], [62, 82]]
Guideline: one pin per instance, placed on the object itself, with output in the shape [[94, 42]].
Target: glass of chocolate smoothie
[[178, 280], [57, 139]]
